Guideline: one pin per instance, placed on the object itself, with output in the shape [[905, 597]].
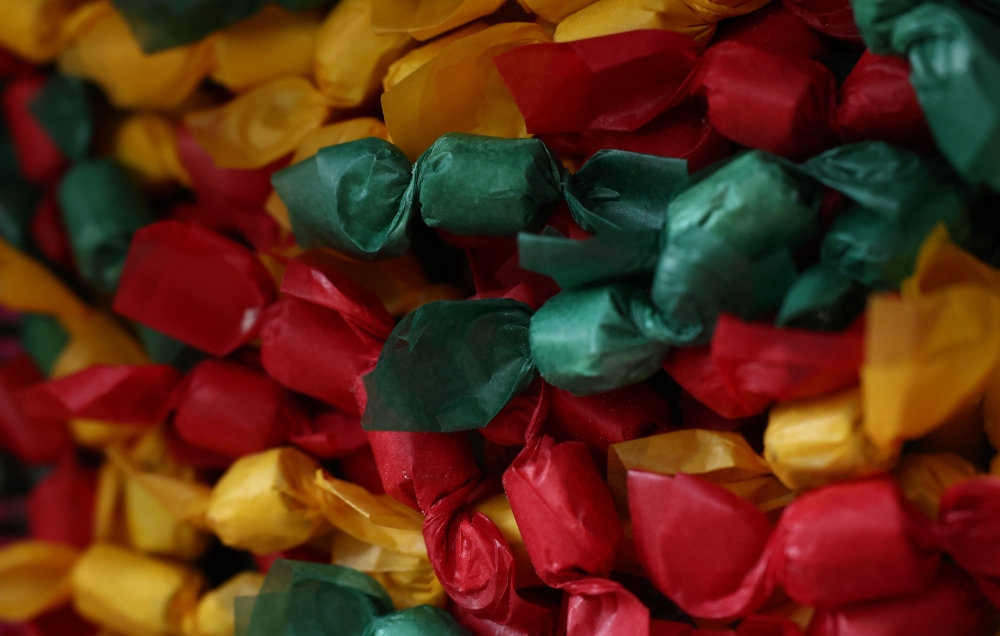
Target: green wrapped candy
[[356, 198], [302, 599], [753, 203], [471, 185], [625, 191], [822, 298], [164, 24], [875, 19], [726, 242], [18, 201], [422, 620], [43, 338], [450, 366], [102, 207], [63, 110], [605, 257], [596, 340], [699, 276], [901, 197], [954, 57]]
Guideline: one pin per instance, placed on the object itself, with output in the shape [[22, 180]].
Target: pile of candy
[[451, 317]]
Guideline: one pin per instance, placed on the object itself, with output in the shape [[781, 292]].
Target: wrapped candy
[[103, 577], [274, 43], [63, 109], [260, 126], [231, 283], [350, 59], [101, 208], [421, 108]]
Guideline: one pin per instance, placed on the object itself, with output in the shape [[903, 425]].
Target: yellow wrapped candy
[[147, 144], [214, 614], [274, 43], [351, 60], [924, 478], [926, 359], [813, 442], [420, 56], [131, 594], [459, 90], [381, 537], [723, 458], [33, 28], [149, 525], [696, 18], [261, 126], [264, 502], [424, 19], [330, 135], [104, 50], [34, 578]]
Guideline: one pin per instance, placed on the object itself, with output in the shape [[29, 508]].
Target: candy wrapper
[[469, 318]]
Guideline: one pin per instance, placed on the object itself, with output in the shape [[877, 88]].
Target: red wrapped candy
[[235, 410], [194, 285]]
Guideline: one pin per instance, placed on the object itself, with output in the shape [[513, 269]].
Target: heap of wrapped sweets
[[473, 317]]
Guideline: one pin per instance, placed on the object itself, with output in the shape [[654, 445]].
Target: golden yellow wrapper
[[264, 502], [375, 519], [146, 515], [813, 442], [696, 18], [459, 90], [33, 28], [925, 477], [425, 19], [381, 537], [720, 457], [104, 50], [260, 126], [34, 578], [214, 614], [330, 135], [554, 11], [351, 60], [497, 508], [133, 594], [274, 43], [420, 56], [926, 359], [147, 145]]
